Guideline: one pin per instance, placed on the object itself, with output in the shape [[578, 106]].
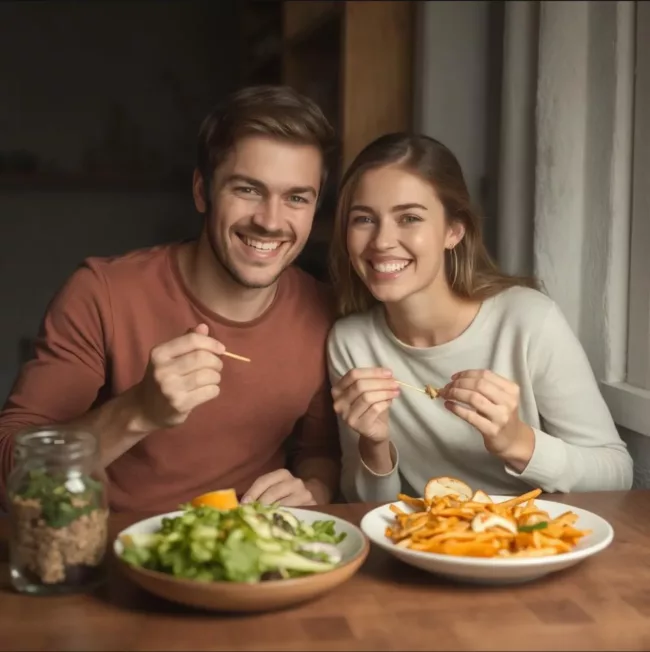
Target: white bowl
[[493, 570], [243, 597]]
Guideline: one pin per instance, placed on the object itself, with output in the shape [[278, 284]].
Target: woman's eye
[[410, 219], [361, 219]]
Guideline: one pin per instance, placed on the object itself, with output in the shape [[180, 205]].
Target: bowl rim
[[269, 585], [493, 562]]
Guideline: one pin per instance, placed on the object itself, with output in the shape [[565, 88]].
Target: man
[[133, 348]]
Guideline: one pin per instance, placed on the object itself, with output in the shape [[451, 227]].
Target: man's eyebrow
[[242, 178], [303, 190]]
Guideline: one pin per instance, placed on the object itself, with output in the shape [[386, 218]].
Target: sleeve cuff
[[547, 466], [375, 487], [394, 456]]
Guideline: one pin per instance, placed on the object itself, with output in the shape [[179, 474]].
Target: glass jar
[[58, 512]]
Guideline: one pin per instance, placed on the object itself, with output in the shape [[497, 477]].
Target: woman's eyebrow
[[406, 207]]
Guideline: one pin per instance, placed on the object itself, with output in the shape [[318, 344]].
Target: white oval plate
[[493, 570]]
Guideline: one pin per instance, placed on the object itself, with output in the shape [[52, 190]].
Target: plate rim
[[492, 562], [269, 585]]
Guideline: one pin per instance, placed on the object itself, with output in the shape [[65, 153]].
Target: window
[[629, 400]]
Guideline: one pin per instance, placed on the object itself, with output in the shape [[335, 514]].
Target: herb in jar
[[61, 525]]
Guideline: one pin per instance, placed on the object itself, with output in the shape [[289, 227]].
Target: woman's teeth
[[389, 268], [260, 245]]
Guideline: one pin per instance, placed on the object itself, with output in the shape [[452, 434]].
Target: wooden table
[[601, 604]]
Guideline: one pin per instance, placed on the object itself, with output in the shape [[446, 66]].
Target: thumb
[[201, 329]]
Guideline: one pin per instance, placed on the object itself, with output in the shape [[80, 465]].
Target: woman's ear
[[455, 233]]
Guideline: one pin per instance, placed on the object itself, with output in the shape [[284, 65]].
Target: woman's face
[[397, 234]]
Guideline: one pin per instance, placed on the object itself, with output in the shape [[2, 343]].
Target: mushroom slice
[[444, 486], [480, 497], [484, 521], [533, 518]]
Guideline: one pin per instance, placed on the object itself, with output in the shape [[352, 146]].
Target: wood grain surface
[[601, 604]]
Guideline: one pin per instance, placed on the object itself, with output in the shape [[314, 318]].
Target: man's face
[[262, 204]]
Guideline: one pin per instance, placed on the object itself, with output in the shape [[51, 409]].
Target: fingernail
[[245, 500], [387, 372]]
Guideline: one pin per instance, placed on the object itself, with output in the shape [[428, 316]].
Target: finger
[[201, 329], [483, 386], [200, 378], [355, 375], [474, 399], [500, 381], [192, 361], [185, 344], [298, 498], [282, 491], [364, 406], [198, 396], [483, 425], [263, 483], [364, 388]]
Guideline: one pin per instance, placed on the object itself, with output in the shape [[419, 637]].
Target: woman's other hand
[[490, 403]]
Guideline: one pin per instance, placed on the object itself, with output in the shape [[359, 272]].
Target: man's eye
[[298, 199], [245, 190]]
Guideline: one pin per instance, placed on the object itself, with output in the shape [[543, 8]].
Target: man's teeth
[[390, 267], [261, 246]]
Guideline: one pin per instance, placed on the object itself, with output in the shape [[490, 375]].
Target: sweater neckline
[[466, 339]]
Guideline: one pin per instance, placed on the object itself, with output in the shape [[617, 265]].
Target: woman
[[422, 303]]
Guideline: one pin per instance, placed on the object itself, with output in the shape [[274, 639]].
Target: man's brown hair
[[276, 111]]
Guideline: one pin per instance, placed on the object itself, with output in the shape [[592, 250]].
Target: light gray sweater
[[519, 334]]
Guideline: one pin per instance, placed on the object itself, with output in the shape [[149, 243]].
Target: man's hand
[[279, 487], [181, 375]]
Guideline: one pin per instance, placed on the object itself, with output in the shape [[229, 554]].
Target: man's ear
[[199, 191]]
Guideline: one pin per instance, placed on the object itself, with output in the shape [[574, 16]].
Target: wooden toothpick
[[235, 356], [417, 389]]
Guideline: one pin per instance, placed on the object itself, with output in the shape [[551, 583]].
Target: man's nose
[[269, 214]]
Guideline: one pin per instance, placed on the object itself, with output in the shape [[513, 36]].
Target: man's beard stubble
[[230, 268]]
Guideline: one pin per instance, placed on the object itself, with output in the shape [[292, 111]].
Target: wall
[[123, 83], [457, 86]]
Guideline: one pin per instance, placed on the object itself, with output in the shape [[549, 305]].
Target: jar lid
[[53, 441]]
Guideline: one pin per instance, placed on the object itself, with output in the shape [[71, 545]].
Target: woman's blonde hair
[[471, 272]]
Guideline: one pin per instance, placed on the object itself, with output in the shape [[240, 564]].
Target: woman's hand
[[362, 398], [494, 411]]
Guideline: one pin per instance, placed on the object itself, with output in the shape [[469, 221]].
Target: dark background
[[102, 101]]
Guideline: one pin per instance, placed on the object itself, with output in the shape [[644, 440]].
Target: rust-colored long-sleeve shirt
[[94, 344]]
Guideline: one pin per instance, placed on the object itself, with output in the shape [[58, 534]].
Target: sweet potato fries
[[453, 520]]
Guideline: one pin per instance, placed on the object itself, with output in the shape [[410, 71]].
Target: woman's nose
[[385, 237]]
